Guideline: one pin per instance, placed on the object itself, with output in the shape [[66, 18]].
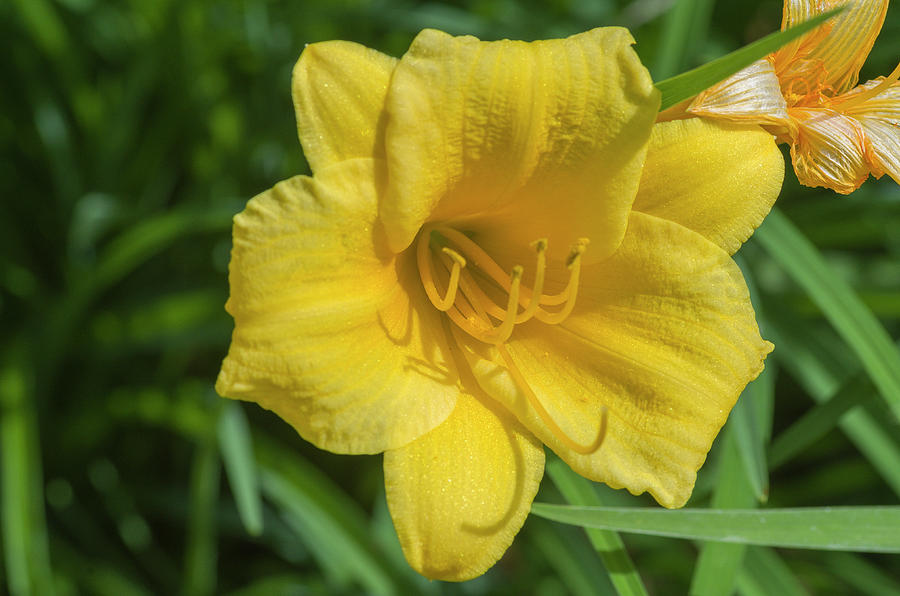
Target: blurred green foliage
[[133, 130]]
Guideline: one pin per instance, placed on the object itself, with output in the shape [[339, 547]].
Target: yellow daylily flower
[[473, 271], [807, 94]]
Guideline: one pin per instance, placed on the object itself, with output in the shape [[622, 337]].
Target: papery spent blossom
[[806, 93], [473, 271]]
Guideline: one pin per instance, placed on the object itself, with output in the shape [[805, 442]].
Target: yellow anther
[[544, 415], [577, 250], [454, 256], [568, 296], [426, 273], [466, 302], [540, 270], [457, 263]]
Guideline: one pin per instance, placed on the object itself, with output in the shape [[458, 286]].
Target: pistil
[[544, 415], [473, 310]]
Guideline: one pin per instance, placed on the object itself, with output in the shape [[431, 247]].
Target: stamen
[[569, 295], [506, 327], [470, 306], [471, 288], [426, 273], [540, 269], [477, 256], [545, 415], [488, 333], [868, 94], [481, 301], [458, 263]]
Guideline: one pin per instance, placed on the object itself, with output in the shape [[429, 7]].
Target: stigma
[[472, 291]]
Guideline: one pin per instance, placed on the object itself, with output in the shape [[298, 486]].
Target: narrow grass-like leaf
[[820, 375], [95, 575], [333, 527], [572, 557], [765, 574], [868, 529], [201, 551], [148, 238], [877, 445], [841, 306], [861, 574], [819, 420], [684, 27], [126, 252], [24, 527], [43, 23], [748, 436], [236, 447], [580, 491], [718, 564], [281, 583], [692, 82]]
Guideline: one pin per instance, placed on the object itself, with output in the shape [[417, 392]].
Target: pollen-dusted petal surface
[[542, 139], [663, 335], [459, 494], [831, 150], [842, 51], [880, 119], [332, 332], [749, 95], [716, 178], [339, 88]]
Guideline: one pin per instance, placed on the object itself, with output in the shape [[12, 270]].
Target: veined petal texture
[[542, 139], [879, 117], [840, 50], [315, 293], [717, 178], [750, 95], [339, 89], [663, 336], [831, 150], [459, 494]]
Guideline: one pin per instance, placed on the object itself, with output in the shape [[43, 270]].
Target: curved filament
[[538, 407]]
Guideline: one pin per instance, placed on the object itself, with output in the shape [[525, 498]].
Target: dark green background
[[131, 132]]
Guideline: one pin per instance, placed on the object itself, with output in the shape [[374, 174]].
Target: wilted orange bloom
[[806, 94]]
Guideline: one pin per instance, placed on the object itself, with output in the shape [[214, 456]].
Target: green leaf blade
[[841, 306], [719, 563], [864, 529], [236, 447], [608, 544], [692, 82]]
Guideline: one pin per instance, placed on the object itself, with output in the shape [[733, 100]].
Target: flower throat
[[474, 311]]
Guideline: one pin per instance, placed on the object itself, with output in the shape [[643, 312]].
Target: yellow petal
[[716, 178], [750, 95], [540, 140], [459, 494], [840, 47], [830, 150], [332, 332], [339, 90], [879, 118], [663, 335]]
